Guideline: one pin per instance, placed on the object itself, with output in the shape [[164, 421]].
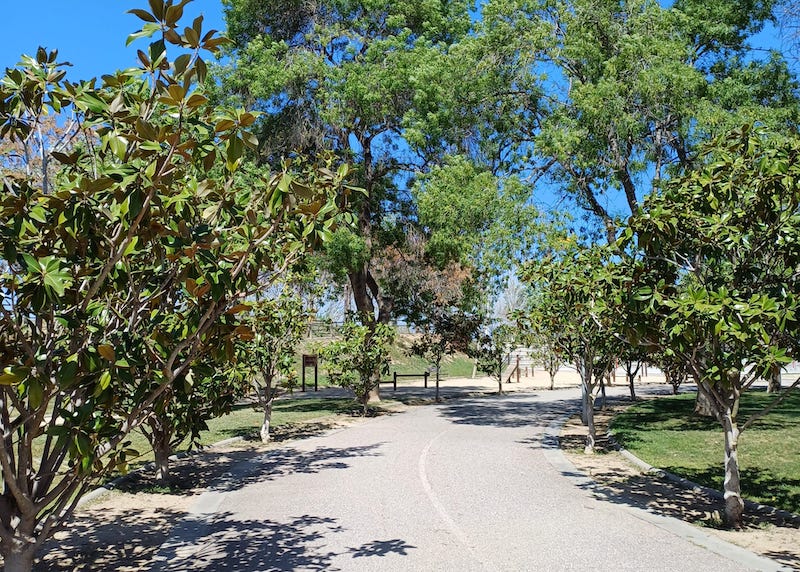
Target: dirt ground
[[122, 531], [621, 481]]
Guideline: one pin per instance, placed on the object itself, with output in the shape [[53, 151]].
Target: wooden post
[[427, 373], [310, 360], [395, 381]]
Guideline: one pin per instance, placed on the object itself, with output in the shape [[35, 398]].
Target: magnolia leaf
[[107, 352], [239, 308]]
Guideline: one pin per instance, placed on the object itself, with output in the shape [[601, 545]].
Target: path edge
[[559, 461]]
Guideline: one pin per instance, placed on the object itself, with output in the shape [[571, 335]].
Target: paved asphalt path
[[469, 485]]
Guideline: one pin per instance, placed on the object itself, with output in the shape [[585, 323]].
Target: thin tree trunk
[[591, 435], [265, 424], [603, 392], [703, 405], [374, 394], [774, 381], [734, 505], [20, 560], [437, 383], [162, 453], [500, 377], [552, 380], [160, 442], [630, 373]]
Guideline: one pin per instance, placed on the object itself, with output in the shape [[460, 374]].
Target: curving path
[[470, 485]]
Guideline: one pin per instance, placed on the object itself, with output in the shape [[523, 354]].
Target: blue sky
[[90, 34]]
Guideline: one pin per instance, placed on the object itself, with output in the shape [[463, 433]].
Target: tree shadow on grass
[[758, 484], [660, 497], [614, 480]]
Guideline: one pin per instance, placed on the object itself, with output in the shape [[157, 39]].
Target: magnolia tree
[[208, 391], [447, 331], [717, 281], [491, 349], [131, 269], [574, 308], [543, 343], [278, 325], [352, 360]]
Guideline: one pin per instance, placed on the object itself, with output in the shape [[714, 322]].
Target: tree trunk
[[437, 383], [500, 368], [162, 454], [160, 437], [374, 394], [552, 380], [703, 405], [603, 392], [19, 560], [265, 424], [630, 373], [774, 381], [365, 400], [734, 505], [588, 413]]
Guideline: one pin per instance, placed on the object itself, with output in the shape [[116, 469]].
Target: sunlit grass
[[665, 433]]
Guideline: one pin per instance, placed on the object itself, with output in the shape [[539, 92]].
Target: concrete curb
[[556, 457]]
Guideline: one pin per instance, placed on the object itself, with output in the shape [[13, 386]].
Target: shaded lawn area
[[665, 433], [289, 417]]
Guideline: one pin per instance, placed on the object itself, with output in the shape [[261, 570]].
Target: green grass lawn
[[665, 433], [458, 365]]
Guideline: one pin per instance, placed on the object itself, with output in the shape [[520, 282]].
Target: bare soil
[[622, 482]]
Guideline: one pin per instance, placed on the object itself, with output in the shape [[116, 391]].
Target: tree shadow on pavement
[[126, 540], [103, 538], [613, 479], [664, 498], [233, 470], [506, 411], [221, 543], [382, 548]]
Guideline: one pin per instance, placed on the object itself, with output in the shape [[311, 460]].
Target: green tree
[[117, 283], [278, 324], [344, 76], [575, 306], [352, 360], [610, 98], [543, 342], [209, 390], [491, 349], [717, 279]]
